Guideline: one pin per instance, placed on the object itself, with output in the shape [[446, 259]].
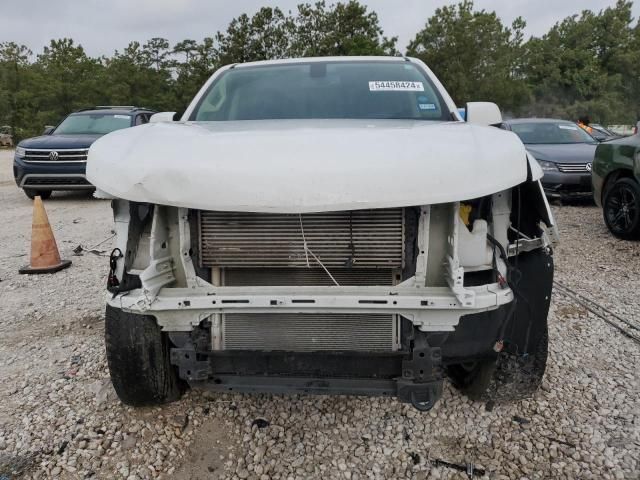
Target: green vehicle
[[616, 185]]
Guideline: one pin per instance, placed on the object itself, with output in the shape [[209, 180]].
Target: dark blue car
[[57, 160]]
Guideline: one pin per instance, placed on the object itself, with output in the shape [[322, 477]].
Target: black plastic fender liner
[[516, 359], [476, 335], [530, 205], [533, 297]]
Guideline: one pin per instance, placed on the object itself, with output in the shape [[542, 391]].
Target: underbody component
[[414, 376], [422, 377]]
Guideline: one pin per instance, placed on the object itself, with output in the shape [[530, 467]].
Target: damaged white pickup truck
[[325, 226]]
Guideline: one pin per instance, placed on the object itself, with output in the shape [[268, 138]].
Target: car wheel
[[621, 209], [43, 194], [138, 359], [506, 378]]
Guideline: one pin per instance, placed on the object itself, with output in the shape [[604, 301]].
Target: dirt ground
[[59, 417]]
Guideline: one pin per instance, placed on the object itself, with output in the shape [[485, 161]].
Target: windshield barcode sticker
[[568, 127], [396, 86]]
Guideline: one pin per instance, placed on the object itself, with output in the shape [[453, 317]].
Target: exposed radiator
[[359, 238], [359, 248], [310, 332]]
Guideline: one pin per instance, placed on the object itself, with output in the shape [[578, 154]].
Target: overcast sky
[[102, 26]]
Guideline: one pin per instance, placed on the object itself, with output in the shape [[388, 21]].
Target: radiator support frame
[[431, 309]]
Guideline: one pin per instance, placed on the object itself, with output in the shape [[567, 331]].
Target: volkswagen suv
[[57, 159]]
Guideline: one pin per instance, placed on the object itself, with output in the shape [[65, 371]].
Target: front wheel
[[621, 209], [43, 194], [138, 359]]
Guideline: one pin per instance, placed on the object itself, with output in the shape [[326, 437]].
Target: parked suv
[[329, 226], [616, 185], [57, 159]]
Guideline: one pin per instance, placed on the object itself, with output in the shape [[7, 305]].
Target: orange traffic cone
[[45, 257]]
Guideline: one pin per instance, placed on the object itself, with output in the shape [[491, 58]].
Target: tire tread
[[138, 359]]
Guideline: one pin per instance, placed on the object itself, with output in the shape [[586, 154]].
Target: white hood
[[300, 166]]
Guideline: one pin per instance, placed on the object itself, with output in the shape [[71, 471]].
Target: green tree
[[68, 80], [156, 51], [340, 29], [138, 77], [474, 55], [186, 47], [314, 30], [264, 36], [14, 86], [587, 65], [200, 62]]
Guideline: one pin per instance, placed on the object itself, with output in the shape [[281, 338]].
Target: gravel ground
[[59, 417]]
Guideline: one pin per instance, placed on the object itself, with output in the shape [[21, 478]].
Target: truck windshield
[[92, 124], [541, 133], [317, 90]]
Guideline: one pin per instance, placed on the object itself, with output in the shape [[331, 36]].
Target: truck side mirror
[[483, 113], [48, 130], [163, 117]]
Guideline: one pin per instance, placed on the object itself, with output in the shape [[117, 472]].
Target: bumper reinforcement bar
[[429, 308]]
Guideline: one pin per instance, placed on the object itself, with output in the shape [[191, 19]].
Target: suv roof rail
[[114, 107]]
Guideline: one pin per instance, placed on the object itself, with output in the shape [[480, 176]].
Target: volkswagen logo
[[53, 156], [588, 166]]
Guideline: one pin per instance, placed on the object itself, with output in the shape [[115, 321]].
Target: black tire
[[621, 209], [43, 194], [138, 358], [506, 378]]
